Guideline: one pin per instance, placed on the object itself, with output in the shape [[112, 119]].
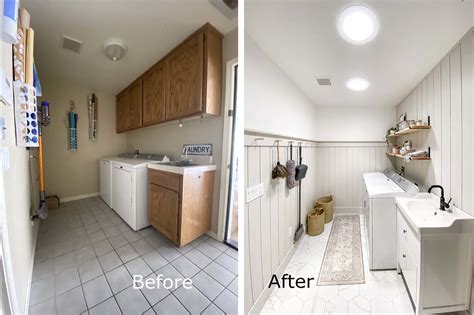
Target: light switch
[[255, 192]]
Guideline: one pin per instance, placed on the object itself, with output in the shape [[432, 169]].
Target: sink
[[423, 212], [182, 163]]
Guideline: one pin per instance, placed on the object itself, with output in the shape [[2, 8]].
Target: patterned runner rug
[[343, 262]]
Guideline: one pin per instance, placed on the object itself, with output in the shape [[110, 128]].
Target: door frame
[[226, 148]]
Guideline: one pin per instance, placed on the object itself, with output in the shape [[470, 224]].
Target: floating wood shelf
[[415, 158], [409, 130]]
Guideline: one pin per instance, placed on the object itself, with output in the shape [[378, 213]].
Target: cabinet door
[[185, 79], [122, 111], [154, 96], [122, 190], [135, 105], [164, 210]]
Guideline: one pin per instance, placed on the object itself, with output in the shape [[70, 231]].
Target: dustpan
[[279, 171]]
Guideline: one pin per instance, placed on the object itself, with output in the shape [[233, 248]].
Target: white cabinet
[[105, 176], [436, 268]]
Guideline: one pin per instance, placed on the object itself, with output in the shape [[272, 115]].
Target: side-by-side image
[[236, 157], [358, 157], [118, 185]]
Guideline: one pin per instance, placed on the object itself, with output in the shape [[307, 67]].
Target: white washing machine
[[380, 208], [123, 186]]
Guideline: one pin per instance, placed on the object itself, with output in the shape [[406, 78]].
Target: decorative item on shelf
[[396, 149], [26, 115], [72, 131], [93, 116]]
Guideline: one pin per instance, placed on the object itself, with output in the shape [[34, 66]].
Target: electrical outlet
[[255, 192]]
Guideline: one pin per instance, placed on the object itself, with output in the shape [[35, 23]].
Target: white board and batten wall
[[270, 221], [446, 94]]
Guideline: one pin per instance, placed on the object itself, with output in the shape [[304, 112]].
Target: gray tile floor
[[86, 256]]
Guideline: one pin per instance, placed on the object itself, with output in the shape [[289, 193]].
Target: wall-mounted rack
[[409, 130]]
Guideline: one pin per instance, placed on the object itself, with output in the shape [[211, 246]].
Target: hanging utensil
[[279, 171], [290, 166]]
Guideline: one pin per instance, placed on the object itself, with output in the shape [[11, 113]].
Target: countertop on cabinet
[[181, 169]]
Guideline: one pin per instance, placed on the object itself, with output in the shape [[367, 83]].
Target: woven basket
[[326, 203], [315, 221]]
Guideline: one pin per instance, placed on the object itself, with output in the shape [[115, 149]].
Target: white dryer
[[380, 208], [123, 186]]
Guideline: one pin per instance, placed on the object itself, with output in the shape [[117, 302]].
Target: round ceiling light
[[114, 49], [358, 24], [357, 84]]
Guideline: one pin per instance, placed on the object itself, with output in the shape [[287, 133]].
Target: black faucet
[[442, 204]]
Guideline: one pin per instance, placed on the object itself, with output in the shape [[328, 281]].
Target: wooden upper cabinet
[[186, 82], [185, 77], [154, 96], [135, 105], [122, 111]]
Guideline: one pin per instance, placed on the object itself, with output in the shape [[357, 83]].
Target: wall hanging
[[93, 114], [26, 116], [72, 131]]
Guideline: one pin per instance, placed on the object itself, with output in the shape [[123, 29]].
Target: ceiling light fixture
[[114, 49], [358, 24], [357, 84]]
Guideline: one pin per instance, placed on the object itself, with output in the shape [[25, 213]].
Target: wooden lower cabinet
[[180, 206]]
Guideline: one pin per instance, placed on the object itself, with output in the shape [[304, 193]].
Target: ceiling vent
[[228, 8], [70, 43], [324, 81]]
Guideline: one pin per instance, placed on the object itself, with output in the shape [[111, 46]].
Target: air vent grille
[[227, 7], [70, 43], [324, 81]]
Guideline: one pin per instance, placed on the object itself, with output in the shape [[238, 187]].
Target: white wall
[[169, 138], [21, 230], [275, 105], [356, 124], [446, 95]]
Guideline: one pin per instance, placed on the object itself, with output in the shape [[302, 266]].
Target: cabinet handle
[[404, 231], [404, 256]]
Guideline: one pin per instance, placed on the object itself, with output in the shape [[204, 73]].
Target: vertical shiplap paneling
[[450, 100], [446, 126], [248, 292], [467, 53], [275, 219], [456, 126], [436, 127], [254, 222], [266, 214]]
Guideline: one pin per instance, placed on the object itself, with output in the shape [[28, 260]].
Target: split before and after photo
[[236, 157]]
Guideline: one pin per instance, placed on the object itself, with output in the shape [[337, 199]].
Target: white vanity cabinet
[[436, 267]]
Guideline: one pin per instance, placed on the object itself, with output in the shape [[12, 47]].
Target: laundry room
[[117, 157], [358, 157]]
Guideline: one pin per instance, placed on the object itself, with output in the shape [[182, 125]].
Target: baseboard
[[32, 265], [348, 210], [72, 198], [213, 235], [265, 294]]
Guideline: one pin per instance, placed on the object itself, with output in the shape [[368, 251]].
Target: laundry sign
[[197, 149]]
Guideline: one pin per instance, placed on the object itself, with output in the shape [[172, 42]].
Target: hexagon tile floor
[[382, 293], [86, 256]]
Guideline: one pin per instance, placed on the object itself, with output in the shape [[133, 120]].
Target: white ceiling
[[301, 37], [150, 28]]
